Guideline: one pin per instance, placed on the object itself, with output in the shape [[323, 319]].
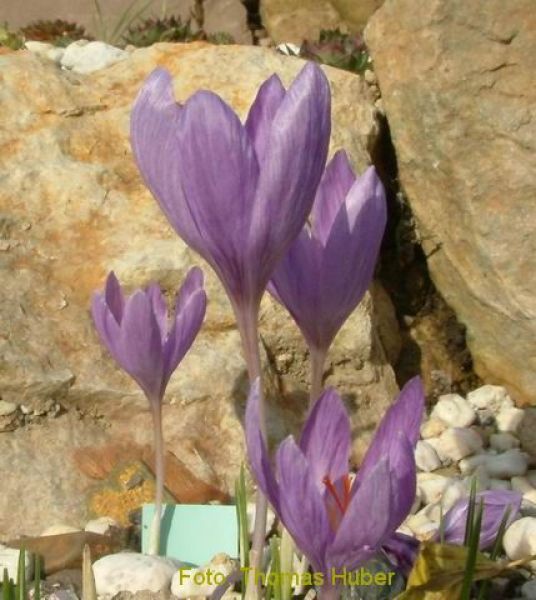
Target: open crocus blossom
[[328, 268], [237, 194], [336, 521], [403, 549], [149, 346]]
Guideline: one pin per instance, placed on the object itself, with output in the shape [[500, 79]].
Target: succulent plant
[[338, 49], [10, 39], [167, 29], [58, 32]]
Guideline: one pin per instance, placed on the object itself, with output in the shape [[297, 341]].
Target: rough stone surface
[[86, 57], [457, 86], [297, 20], [520, 539], [74, 207]]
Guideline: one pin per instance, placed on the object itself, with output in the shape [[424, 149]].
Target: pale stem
[[247, 319], [154, 533], [318, 360]]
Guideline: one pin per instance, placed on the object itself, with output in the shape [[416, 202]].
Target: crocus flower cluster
[[337, 521], [149, 346]]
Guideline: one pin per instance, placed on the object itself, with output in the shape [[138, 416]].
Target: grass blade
[[243, 529], [89, 590], [37, 577], [470, 513], [275, 567], [472, 552], [6, 586], [21, 576]]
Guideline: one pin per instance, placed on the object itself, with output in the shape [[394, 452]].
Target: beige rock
[[73, 208], [432, 428], [297, 20], [459, 75]]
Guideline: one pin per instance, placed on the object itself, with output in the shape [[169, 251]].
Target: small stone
[[457, 443], [211, 575], [499, 466], [422, 527], [499, 484], [528, 590], [426, 457], [132, 572], [59, 529], [85, 57], [433, 427], [370, 77], [491, 397], [503, 441], [520, 539], [431, 486], [102, 525], [7, 408], [454, 410], [509, 419], [9, 559], [452, 493], [481, 475]]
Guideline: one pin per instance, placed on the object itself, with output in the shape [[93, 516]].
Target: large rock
[[297, 20], [73, 208], [457, 85]]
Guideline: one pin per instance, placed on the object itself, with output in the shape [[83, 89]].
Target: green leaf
[[243, 529]]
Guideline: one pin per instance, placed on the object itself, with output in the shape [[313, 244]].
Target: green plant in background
[[112, 33], [338, 49], [19, 590], [166, 29], [57, 32], [10, 39]]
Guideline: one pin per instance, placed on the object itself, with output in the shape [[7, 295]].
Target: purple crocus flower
[[137, 333], [336, 521], [328, 268], [237, 194], [403, 549]]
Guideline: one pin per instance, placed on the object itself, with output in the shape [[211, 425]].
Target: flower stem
[[154, 534], [318, 360], [247, 319]]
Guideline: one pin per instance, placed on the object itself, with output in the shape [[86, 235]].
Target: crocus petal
[[106, 325], [326, 439], [114, 297], [291, 170], [496, 502], [403, 477], [262, 113], [402, 550], [257, 451], [366, 521], [295, 284], [189, 314], [140, 345], [334, 186], [219, 171], [351, 250], [404, 416], [302, 508], [158, 304], [153, 134]]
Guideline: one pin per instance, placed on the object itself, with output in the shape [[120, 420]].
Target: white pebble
[[432, 486], [520, 539], [509, 464], [503, 441], [85, 57], [133, 572], [499, 484], [102, 525], [454, 491], [491, 397], [509, 419], [531, 476], [9, 559], [426, 457], [454, 411], [457, 443], [528, 590], [421, 525], [210, 576], [433, 427]]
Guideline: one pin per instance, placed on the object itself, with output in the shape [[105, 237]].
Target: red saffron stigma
[[343, 502]]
